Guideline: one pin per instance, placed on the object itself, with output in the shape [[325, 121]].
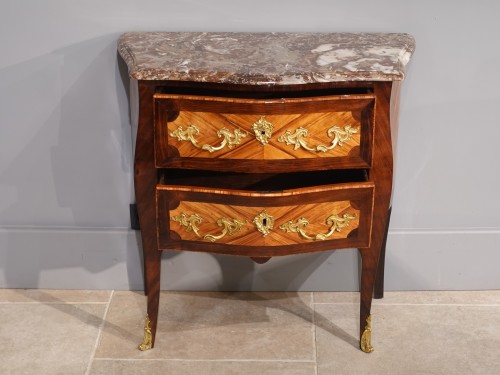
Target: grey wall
[[65, 145]]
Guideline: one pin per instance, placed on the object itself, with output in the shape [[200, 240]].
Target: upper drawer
[[315, 132]]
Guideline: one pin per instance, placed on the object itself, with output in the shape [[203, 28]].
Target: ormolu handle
[[229, 226], [297, 139], [336, 225], [228, 139]]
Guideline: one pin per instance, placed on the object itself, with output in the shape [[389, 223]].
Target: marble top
[[266, 58]]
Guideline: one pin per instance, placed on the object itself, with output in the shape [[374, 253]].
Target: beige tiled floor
[[97, 332]]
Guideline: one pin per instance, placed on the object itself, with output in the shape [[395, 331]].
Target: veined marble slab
[[266, 58]]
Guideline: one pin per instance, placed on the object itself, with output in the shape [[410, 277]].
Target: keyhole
[[264, 222], [263, 132]]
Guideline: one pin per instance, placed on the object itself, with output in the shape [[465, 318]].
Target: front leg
[[152, 269], [381, 175], [368, 270], [145, 180]]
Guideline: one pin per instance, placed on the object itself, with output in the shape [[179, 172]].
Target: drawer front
[[211, 129], [264, 224]]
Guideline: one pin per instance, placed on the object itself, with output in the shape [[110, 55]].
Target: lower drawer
[[259, 223]]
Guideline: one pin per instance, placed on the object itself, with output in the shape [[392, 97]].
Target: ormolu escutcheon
[[264, 223], [263, 130]]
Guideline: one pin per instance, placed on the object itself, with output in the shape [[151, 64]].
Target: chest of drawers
[[264, 145]]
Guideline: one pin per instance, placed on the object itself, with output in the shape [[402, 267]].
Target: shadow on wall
[[91, 162], [66, 163], [69, 164]]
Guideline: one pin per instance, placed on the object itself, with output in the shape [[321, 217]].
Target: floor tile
[[487, 297], [55, 332], [228, 326], [51, 338], [148, 367], [336, 297], [52, 295], [437, 339]]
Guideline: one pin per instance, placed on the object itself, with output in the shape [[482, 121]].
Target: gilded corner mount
[[366, 337], [147, 341]]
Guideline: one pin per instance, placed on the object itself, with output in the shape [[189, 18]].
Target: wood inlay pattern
[[248, 235], [210, 124], [208, 116]]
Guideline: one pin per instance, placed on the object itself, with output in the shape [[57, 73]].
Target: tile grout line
[[98, 339], [416, 304], [315, 347], [205, 360], [52, 303], [443, 304]]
